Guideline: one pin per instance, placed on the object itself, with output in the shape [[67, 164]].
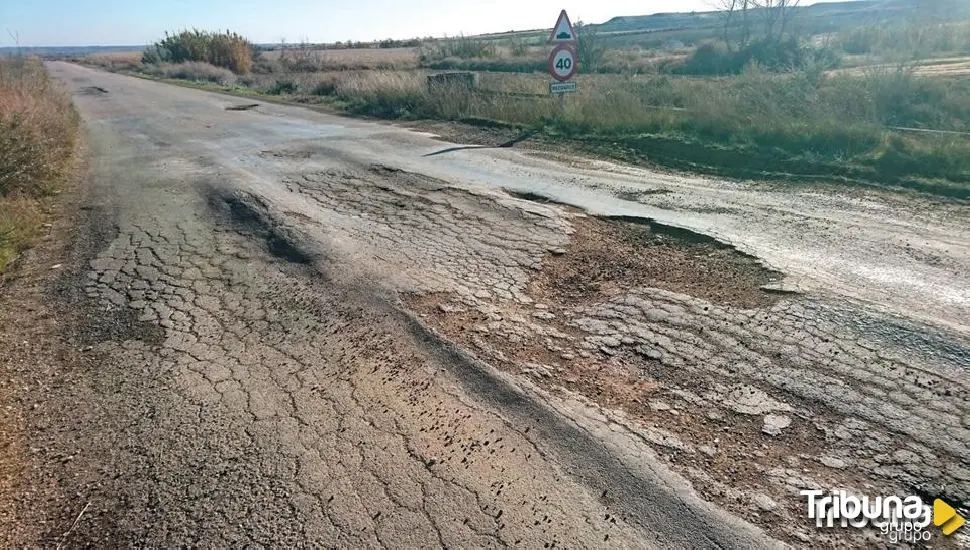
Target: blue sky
[[117, 22]]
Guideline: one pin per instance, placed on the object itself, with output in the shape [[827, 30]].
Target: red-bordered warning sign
[[563, 32], [562, 62]]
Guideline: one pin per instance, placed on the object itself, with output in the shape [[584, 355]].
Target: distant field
[[947, 67], [358, 58]]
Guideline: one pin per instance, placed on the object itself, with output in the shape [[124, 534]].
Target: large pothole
[[612, 256]]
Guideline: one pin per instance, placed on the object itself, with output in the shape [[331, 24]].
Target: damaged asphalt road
[[284, 327]]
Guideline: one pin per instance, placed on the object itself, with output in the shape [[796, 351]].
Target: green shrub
[[715, 58], [385, 94], [155, 55], [264, 65], [945, 158], [462, 47], [281, 87], [327, 87], [906, 40], [590, 48], [518, 46]]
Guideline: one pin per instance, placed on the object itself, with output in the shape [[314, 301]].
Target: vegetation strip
[[38, 129]]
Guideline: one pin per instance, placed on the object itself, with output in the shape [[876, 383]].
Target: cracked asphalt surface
[[284, 328]]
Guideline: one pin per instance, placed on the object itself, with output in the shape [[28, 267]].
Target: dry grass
[[115, 61], [20, 220], [356, 58], [38, 127], [195, 71], [942, 67]]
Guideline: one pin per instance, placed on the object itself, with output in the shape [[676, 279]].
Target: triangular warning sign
[[563, 31]]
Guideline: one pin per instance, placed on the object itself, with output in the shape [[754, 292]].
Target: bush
[[906, 40], [326, 87], [861, 40], [518, 46], [590, 48], [934, 158], [462, 47], [264, 65], [227, 50], [281, 87], [156, 55], [714, 58]]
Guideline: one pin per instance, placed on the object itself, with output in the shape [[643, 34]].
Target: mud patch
[[612, 256]]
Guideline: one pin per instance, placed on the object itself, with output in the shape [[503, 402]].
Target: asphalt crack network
[[297, 392], [658, 325]]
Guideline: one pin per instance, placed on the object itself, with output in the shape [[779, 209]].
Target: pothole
[[93, 90], [637, 196], [249, 215], [242, 107], [611, 256], [530, 196]]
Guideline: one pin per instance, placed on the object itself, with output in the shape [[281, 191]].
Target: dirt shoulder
[[41, 359]]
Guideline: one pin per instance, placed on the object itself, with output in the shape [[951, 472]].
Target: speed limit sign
[[562, 62]]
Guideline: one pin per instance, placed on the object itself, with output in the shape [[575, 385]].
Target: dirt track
[[251, 342]]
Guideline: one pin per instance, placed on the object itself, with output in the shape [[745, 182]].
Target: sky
[[119, 22]]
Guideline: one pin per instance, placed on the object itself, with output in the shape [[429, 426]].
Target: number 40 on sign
[[562, 60]]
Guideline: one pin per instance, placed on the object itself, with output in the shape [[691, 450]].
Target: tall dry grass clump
[[222, 49], [38, 127], [384, 93]]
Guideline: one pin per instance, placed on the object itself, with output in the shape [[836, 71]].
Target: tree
[[777, 16], [735, 13], [590, 48]]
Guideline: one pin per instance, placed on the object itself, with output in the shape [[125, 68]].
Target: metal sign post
[[563, 61]]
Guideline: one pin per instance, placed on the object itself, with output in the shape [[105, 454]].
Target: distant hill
[[813, 18]]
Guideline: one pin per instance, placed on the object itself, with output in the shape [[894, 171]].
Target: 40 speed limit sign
[[562, 62]]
